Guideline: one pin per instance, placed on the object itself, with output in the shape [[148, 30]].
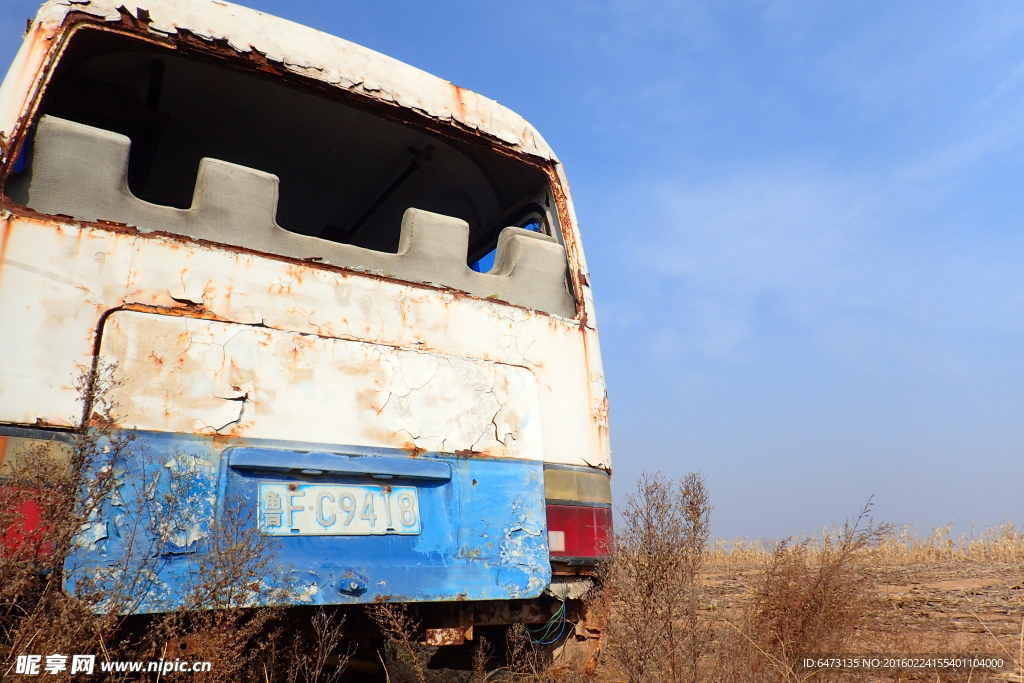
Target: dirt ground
[[966, 606], [967, 601]]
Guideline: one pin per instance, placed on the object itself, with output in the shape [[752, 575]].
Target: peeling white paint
[[184, 375], [57, 323]]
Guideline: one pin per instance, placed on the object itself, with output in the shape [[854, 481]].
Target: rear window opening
[[533, 221], [346, 175]]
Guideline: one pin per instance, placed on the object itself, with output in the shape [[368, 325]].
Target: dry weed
[[655, 629], [217, 622], [528, 663], [805, 603], [325, 663], [481, 660], [407, 657]]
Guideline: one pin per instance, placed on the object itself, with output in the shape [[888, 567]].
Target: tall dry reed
[[1002, 543]]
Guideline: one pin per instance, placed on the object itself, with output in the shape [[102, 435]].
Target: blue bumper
[[483, 527]]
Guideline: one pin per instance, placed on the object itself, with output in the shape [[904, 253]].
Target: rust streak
[[437, 637], [3, 246], [180, 312], [459, 94], [124, 229], [571, 248]]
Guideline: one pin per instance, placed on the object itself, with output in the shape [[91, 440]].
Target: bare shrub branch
[[655, 629], [159, 505], [400, 630]]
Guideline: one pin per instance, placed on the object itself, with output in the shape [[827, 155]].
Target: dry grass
[[806, 601], [655, 629], [407, 660], [899, 546], [827, 595], [217, 621]]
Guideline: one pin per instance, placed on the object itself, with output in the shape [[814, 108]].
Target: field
[[678, 608], [962, 594], [963, 586], [685, 608], [965, 601]]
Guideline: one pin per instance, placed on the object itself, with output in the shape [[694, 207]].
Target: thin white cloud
[[858, 263]]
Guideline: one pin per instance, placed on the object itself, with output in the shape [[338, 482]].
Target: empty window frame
[[346, 173]]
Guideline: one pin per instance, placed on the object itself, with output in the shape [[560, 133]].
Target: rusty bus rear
[[323, 277]]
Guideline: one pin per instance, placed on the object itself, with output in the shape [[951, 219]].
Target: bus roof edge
[[319, 56]]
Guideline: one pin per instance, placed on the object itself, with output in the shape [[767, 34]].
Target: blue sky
[[804, 224]]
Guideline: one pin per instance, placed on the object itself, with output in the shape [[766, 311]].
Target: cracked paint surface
[[150, 528], [207, 377], [66, 278]]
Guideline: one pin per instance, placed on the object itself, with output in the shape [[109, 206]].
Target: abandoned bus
[[347, 297]]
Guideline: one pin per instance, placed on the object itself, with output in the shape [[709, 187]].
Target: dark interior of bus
[[346, 173]]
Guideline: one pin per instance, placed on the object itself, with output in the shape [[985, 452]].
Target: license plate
[[292, 509]]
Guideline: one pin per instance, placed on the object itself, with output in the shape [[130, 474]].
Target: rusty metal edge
[[254, 62]]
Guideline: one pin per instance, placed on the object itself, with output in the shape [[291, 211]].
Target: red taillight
[[29, 512], [576, 531], [25, 534]]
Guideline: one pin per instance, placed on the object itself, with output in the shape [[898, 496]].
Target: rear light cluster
[[579, 508]]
